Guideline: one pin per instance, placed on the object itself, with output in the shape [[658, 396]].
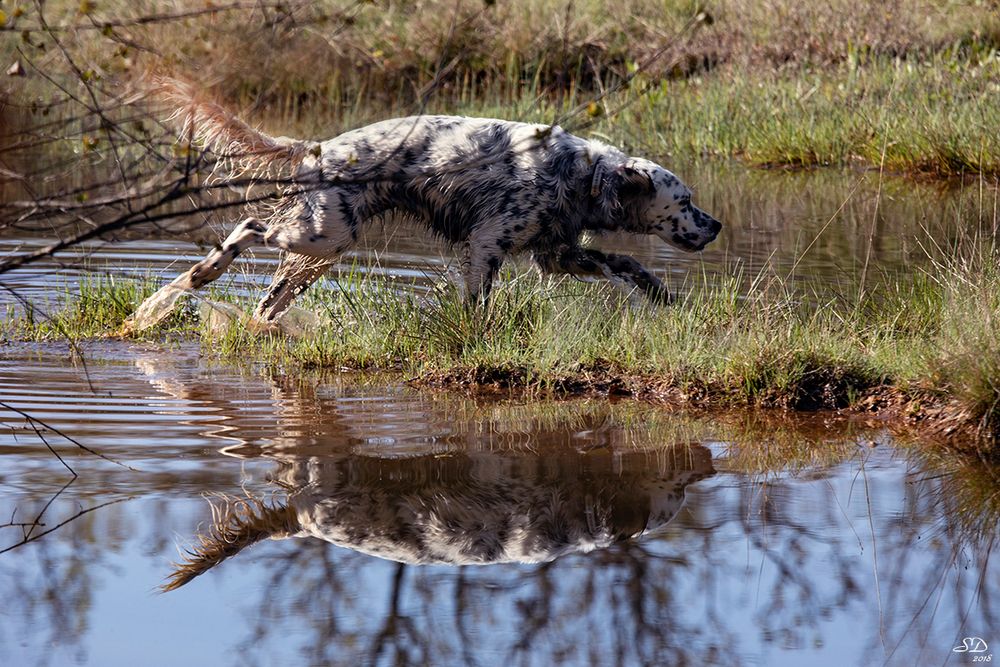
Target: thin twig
[[35, 420], [61, 524]]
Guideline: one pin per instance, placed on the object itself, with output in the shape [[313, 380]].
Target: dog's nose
[[716, 226]]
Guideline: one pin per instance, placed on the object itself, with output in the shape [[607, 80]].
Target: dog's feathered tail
[[237, 523], [240, 147], [237, 150]]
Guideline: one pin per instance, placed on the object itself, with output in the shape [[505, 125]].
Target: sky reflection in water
[[579, 532]]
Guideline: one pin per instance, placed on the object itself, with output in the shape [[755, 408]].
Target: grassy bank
[[932, 117], [923, 350]]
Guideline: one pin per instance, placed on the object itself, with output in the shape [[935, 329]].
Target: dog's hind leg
[[294, 275], [154, 309], [624, 272]]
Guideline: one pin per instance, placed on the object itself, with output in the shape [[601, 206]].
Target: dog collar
[[599, 170]]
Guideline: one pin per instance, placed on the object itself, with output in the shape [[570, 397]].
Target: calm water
[[372, 523]]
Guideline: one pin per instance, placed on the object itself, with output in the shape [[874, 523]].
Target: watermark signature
[[977, 646]]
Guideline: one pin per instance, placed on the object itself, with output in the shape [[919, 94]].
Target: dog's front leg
[[480, 266], [623, 271], [627, 273]]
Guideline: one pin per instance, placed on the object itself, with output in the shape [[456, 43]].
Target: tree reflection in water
[[809, 541], [763, 552]]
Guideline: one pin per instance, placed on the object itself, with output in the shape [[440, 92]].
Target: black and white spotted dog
[[493, 188]]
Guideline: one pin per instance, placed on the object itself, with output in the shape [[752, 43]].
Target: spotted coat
[[493, 188]]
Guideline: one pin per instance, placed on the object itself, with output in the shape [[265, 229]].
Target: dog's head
[[654, 201]]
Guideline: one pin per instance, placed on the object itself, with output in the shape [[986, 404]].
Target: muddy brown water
[[374, 523]]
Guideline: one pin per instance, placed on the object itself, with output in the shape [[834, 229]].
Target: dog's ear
[[634, 182], [614, 187]]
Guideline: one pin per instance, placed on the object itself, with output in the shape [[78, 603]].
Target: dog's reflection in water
[[462, 509]]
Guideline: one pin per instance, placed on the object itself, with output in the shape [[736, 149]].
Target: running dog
[[492, 188]]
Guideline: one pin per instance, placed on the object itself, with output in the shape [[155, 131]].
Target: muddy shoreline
[[921, 415], [903, 412]]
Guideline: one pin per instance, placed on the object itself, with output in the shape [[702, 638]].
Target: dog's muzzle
[[709, 226]]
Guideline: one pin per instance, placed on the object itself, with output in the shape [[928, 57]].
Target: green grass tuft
[[930, 341]]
